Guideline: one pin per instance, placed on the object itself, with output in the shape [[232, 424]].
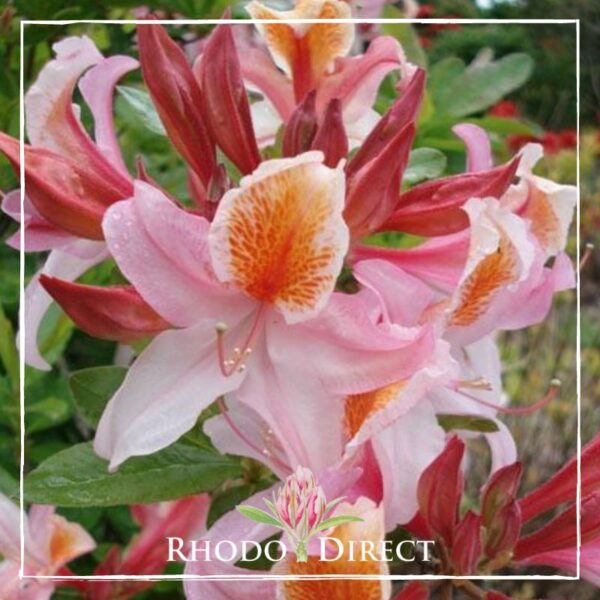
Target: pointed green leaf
[[424, 163], [480, 85], [141, 103], [93, 388], [333, 503], [335, 521], [260, 516], [78, 477]]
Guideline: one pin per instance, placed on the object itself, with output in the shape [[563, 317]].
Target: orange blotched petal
[[359, 407], [306, 51], [500, 255], [281, 236], [68, 541], [371, 529], [492, 273]]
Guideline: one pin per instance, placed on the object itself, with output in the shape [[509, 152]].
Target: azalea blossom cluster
[[265, 298]]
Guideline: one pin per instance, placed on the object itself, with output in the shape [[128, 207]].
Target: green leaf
[[9, 486], [467, 422], [141, 103], [46, 413], [260, 516], [54, 333], [8, 350], [424, 163], [78, 477], [335, 521], [442, 74], [333, 503], [481, 85], [93, 388]]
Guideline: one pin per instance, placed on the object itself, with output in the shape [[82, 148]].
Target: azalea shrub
[[270, 271]]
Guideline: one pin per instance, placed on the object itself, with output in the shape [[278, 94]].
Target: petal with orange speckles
[[68, 541], [281, 237], [500, 256], [305, 51], [547, 205], [367, 414]]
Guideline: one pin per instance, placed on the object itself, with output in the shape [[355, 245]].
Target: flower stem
[[301, 554]]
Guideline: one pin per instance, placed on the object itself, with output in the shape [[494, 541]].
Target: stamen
[[236, 364], [261, 451], [481, 383], [551, 394], [589, 249]]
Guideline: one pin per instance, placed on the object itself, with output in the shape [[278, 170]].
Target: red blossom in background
[[504, 108]]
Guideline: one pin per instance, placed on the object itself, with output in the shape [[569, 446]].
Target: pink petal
[[97, 87], [51, 122], [348, 353], [438, 262], [245, 433], [50, 119], [174, 379], [10, 533], [304, 417], [401, 466], [162, 250], [259, 71], [393, 286], [212, 589], [40, 234], [67, 263], [9, 579], [479, 149], [356, 79], [535, 303], [266, 122]]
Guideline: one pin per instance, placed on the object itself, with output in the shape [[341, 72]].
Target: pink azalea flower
[[51, 542], [70, 178], [239, 290], [315, 57], [493, 275]]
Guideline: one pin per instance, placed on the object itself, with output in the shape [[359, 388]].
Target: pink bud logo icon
[[300, 509]]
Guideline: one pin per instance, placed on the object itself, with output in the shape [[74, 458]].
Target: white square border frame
[[271, 577]]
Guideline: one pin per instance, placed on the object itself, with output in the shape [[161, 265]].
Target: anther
[[235, 363], [481, 383]]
